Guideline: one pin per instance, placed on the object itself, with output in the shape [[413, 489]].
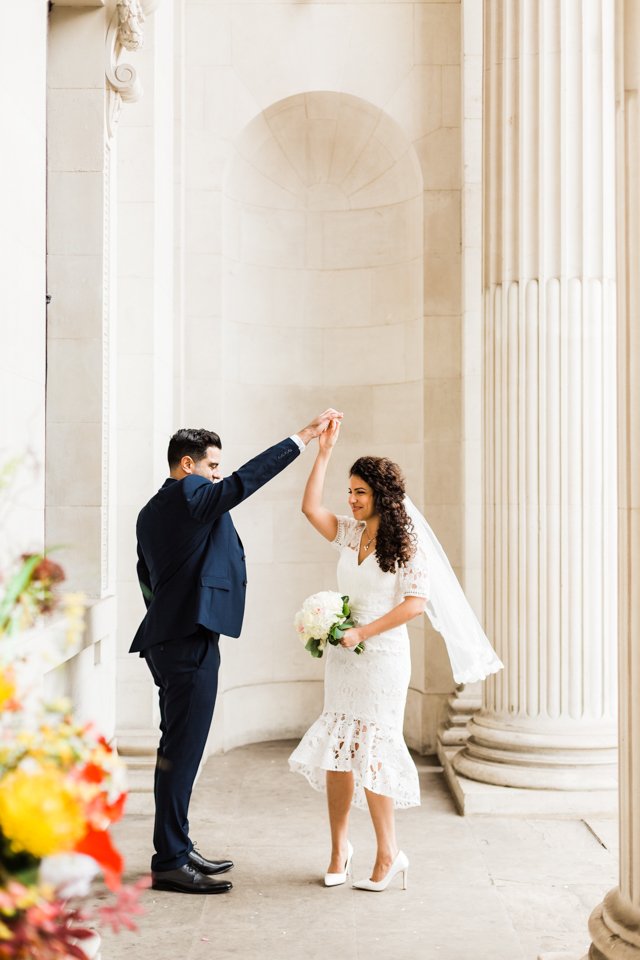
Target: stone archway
[[322, 303]]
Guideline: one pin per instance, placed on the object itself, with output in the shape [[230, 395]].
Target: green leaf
[[314, 648], [16, 587]]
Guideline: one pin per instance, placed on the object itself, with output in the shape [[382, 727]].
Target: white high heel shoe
[[335, 879], [399, 865]]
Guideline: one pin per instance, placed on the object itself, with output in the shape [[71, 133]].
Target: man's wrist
[[305, 436], [299, 442]]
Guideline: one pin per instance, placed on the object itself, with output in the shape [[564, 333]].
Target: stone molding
[[108, 387], [461, 707], [578, 756]]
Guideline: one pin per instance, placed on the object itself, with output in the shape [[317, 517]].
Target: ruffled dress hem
[[377, 756]]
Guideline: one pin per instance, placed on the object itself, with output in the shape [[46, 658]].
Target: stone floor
[[493, 889]]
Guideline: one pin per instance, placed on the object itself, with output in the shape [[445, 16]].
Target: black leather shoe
[[210, 867], [187, 879]]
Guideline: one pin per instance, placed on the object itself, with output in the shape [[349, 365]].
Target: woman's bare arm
[[318, 516], [409, 608]]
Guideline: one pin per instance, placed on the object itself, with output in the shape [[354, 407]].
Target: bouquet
[[324, 618], [62, 786]]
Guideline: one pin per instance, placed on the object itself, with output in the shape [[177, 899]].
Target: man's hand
[[319, 425]]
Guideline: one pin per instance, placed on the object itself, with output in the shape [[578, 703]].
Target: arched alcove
[[322, 305]]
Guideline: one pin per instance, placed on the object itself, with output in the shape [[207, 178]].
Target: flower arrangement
[[62, 786], [324, 618]]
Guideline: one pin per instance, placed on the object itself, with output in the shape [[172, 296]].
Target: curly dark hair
[[396, 541]]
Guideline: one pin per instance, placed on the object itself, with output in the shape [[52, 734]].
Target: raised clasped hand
[[328, 439], [319, 425], [322, 422]]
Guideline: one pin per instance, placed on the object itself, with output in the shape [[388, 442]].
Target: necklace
[[370, 541]]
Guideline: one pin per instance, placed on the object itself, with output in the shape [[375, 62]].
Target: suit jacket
[[191, 564]]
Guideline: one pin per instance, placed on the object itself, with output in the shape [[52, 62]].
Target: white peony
[[318, 615], [70, 874]]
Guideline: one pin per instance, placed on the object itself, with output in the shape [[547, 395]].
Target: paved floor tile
[[478, 887]]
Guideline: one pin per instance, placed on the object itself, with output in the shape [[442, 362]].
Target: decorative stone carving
[[124, 33], [130, 20]]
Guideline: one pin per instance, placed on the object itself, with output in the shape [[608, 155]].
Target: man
[[191, 568]]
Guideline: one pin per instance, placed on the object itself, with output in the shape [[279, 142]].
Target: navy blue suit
[[191, 568]]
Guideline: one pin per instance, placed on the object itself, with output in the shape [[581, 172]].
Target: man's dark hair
[[191, 443]]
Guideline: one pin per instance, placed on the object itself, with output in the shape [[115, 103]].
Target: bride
[[393, 569]]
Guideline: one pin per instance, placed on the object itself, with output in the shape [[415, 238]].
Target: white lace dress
[[360, 728]]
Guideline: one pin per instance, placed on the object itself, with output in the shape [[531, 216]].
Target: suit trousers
[[186, 674]]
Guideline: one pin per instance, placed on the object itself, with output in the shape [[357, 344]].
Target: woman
[[356, 747]]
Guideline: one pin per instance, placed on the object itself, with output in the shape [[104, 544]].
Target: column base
[[462, 706], [540, 755], [614, 926], [474, 798]]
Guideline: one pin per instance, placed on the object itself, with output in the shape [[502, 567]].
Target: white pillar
[[615, 924], [23, 354], [549, 378], [146, 241], [465, 701], [80, 396]]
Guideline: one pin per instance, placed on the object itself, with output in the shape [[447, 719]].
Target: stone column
[[88, 79], [549, 389], [465, 701], [148, 360], [615, 924]]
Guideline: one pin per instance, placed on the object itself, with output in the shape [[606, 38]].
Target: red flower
[[100, 812], [47, 570], [97, 844], [92, 773], [127, 905]]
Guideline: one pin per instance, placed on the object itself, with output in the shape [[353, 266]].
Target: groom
[[191, 568]]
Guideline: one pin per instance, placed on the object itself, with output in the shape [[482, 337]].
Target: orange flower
[[97, 844]]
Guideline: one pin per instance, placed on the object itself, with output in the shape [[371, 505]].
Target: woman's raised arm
[[318, 516]]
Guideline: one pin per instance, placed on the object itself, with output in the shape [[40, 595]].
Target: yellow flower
[[74, 609], [7, 686], [5, 932], [39, 812]]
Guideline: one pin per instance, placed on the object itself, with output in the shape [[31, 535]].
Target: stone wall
[[23, 274], [322, 178]]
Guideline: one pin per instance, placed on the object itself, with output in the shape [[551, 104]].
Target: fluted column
[[615, 924], [549, 388]]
